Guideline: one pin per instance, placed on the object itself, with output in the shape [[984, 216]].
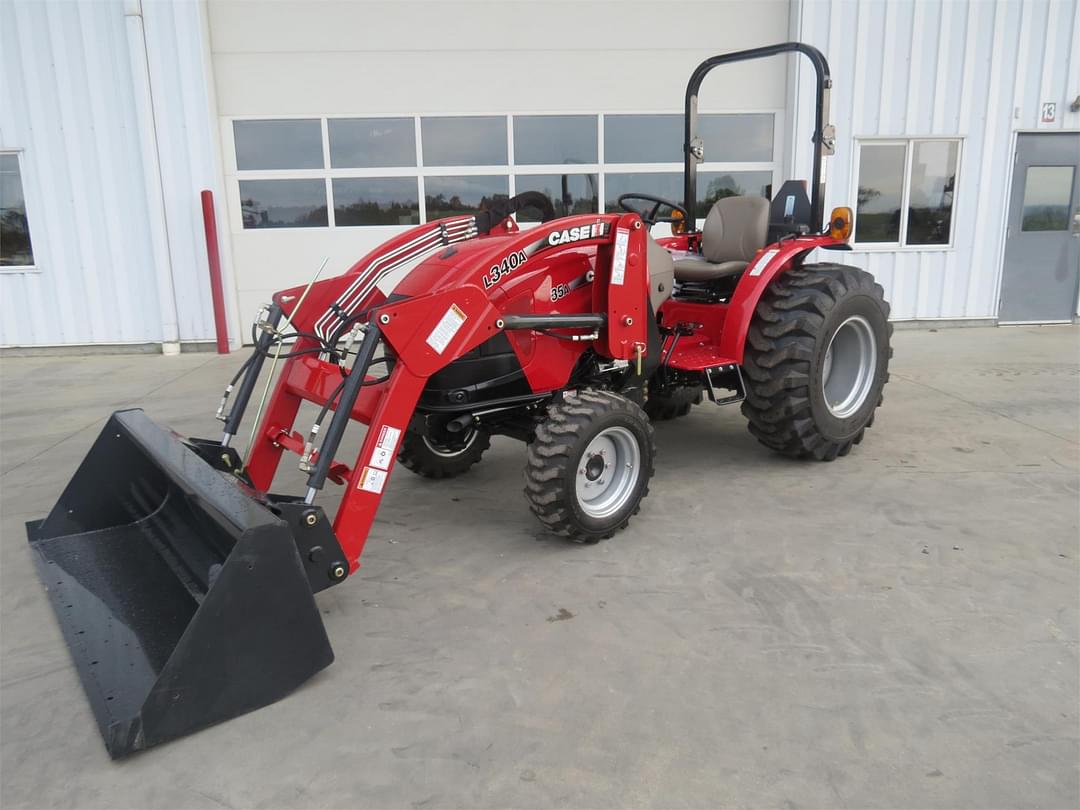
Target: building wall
[[280, 59], [977, 70], [115, 220], [117, 138]]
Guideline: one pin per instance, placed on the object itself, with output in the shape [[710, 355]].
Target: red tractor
[[184, 586]]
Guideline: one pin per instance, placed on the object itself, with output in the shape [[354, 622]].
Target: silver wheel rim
[[608, 472], [847, 374], [446, 452]]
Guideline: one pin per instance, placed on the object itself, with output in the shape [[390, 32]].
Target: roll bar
[[823, 133]]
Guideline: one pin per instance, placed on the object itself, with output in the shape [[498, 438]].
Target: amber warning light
[[678, 224], [840, 224]]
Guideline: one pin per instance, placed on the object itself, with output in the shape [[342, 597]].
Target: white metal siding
[[187, 146], [68, 103], [978, 71], [71, 103]]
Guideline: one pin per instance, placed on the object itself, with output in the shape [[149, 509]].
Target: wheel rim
[[608, 472], [468, 438], [847, 374]]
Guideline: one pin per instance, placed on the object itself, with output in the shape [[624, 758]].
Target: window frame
[[36, 266], [908, 142], [510, 169]]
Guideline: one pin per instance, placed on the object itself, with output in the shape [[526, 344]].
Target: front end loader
[[184, 585]]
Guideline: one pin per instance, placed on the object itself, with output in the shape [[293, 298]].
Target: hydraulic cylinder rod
[[251, 376], [587, 321], [343, 411]]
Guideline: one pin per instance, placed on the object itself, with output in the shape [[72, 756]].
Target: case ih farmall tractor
[[184, 586]]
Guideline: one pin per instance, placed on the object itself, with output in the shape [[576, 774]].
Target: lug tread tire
[[551, 468], [780, 348], [662, 407], [415, 455]]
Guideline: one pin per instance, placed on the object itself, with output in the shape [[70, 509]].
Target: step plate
[[695, 355]]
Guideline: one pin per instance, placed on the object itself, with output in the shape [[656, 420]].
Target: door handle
[[1076, 224]]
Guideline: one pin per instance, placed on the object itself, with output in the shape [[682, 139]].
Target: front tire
[[590, 464], [817, 360], [442, 455], [672, 404]]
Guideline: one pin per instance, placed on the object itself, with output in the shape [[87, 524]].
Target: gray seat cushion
[[734, 231], [696, 269]]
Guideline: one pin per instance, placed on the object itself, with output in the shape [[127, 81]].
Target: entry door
[[1042, 245]]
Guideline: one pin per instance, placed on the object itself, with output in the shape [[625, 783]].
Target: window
[[464, 141], [365, 143], [283, 203], [654, 142], [736, 138], [569, 193], [449, 196], [643, 138], [727, 138], [15, 248], [904, 193], [396, 171], [668, 185], [712, 186], [376, 201], [278, 144], [1047, 198], [554, 139]]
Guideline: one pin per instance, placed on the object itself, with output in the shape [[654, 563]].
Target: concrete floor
[[896, 629]]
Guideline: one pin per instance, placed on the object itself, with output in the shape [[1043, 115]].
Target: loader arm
[[441, 311]]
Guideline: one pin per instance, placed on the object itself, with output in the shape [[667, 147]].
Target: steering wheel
[[651, 217]]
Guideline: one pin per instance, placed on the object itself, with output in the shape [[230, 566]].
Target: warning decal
[[446, 328], [618, 263], [372, 480], [383, 453]]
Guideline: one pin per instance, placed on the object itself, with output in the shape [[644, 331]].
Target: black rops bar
[[592, 321], [824, 82]]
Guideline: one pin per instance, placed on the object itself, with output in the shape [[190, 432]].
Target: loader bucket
[[181, 596]]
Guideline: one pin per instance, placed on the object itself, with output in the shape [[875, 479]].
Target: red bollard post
[[213, 255]]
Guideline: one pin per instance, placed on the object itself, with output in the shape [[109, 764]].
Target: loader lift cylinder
[[343, 413], [251, 376]]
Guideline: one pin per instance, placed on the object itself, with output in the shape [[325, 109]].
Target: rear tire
[[816, 361], [672, 405], [589, 465], [433, 458]]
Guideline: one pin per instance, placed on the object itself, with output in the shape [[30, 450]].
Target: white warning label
[[618, 262], [372, 480], [759, 265], [383, 453], [446, 328]]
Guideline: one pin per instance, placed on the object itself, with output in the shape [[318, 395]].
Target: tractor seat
[[734, 231]]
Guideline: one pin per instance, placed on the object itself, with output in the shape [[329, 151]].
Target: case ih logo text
[[568, 235]]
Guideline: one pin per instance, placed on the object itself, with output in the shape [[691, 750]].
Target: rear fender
[[767, 264]]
